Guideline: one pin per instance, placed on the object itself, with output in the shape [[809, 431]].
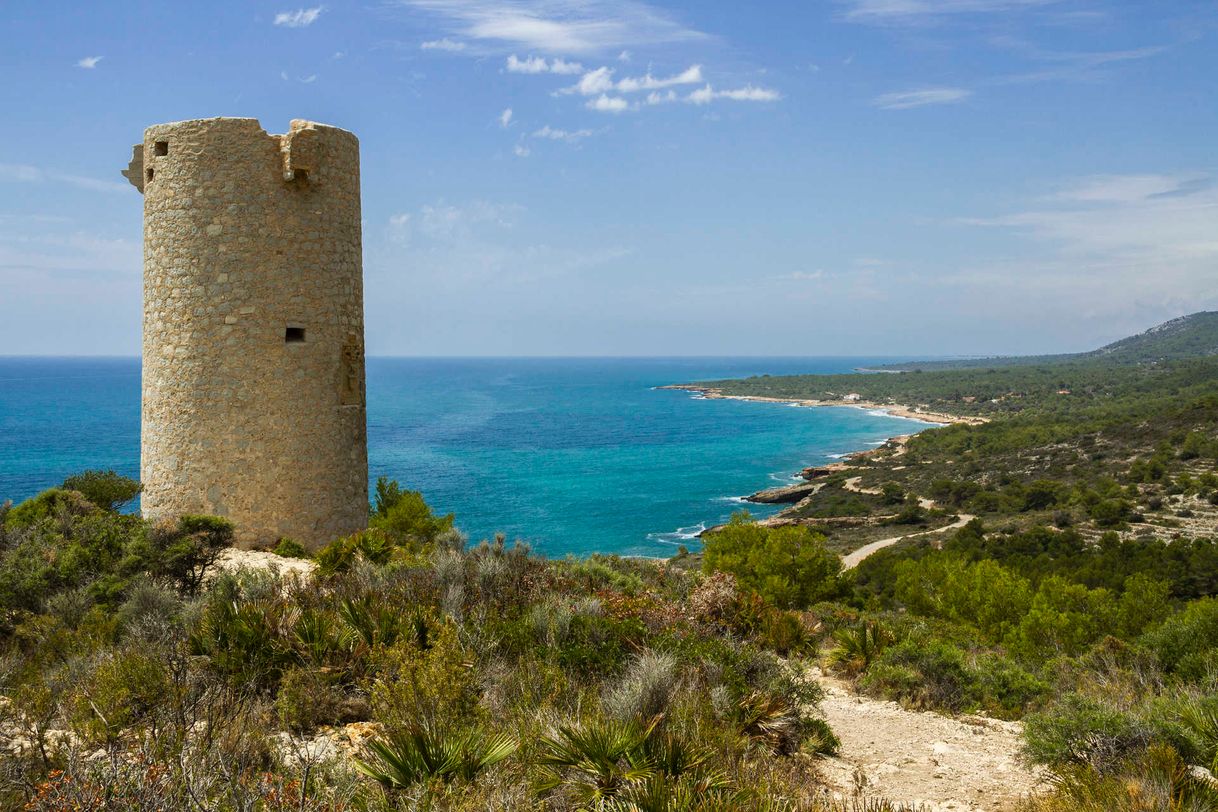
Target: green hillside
[[1189, 336]]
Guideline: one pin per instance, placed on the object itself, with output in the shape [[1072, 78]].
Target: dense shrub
[[788, 566], [1081, 731]]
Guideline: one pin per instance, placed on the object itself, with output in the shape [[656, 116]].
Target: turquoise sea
[[573, 455]]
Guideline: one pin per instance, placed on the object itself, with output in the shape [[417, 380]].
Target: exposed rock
[[787, 494]]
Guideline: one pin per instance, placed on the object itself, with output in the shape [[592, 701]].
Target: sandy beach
[[893, 409]]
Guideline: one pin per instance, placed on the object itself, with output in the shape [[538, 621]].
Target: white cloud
[[533, 64], [300, 18], [558, 26], [521, 151], [624, 56], [608, 104], [89, 62], [505, 118], [537, 64], [444, 44], [554, 134], [707, 94], [23, 173], [908, 99]]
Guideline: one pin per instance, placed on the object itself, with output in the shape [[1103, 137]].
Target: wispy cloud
[[505, 118], [23, 173], [444, 44], [1110, 245], [89, 62], [707, 94], [908, 99], [557, 26], [1066, 65], [601, 80], [554, 134], [300, 18], [904, 12], [1128, 189], [537, 64]]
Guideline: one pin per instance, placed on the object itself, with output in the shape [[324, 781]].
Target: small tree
[[106, 489], [183, 552], [405, 515]]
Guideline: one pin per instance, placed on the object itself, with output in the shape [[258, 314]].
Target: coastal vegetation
[[1055, 565]]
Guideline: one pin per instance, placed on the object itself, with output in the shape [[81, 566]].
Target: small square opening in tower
[[149, 173], [292, 334], [161, 148]]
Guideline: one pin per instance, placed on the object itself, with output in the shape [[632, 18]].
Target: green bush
[[406, 517], [925, 674], [371, 545], [290, 548], [788, 566], [1064, 618], [1185, 643], [1079, 730], [308, 698], [50, 504]]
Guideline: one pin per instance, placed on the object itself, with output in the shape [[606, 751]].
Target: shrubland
[[412, 670]]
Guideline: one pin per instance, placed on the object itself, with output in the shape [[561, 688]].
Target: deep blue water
[[573, 455]]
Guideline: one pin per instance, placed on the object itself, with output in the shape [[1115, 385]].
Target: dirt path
[[964, 765], [852, 560]]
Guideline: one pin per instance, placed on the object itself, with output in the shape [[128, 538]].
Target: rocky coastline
[[794, 495]]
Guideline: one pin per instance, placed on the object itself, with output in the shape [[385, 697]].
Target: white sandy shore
[[893, 409]]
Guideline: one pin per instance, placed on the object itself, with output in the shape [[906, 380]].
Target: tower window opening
[[293, 334], [149, 173], [161, 148]]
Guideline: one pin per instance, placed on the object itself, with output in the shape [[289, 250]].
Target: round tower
[[253, 374]]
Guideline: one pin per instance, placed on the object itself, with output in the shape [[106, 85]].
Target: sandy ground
[[964, 765]]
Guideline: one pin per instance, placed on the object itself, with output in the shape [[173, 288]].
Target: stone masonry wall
[[253, 374]]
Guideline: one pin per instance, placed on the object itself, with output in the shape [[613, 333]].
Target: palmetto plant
[[596, 760], [626, 766], [318, 634], [770, 720], [426, 752], [373, 623], [858, 647]]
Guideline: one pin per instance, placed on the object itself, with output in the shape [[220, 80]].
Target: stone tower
[[253, 375]]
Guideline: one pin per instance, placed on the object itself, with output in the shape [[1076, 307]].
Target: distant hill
[[1191, 336]]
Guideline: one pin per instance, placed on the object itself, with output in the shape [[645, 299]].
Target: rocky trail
[[935, 762], [852, 560]]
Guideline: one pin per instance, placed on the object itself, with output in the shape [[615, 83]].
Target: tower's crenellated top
[[300, 148]]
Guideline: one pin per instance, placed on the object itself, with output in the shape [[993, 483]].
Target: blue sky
[[556, 177]]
